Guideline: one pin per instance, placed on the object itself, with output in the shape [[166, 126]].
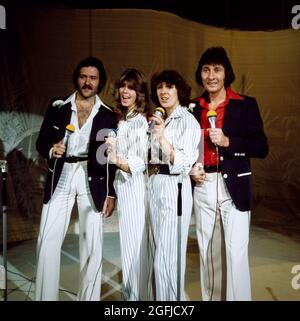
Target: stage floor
[[272, 257]]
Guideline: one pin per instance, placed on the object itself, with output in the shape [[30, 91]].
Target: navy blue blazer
[[244, 127], [53, 130]]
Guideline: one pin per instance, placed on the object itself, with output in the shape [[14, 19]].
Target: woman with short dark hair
[[174, 142]]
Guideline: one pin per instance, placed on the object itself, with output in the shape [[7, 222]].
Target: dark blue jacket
[[53, 130], [244, 127]]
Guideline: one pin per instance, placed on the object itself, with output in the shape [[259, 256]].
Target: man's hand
[[58, 150], [217, 137]]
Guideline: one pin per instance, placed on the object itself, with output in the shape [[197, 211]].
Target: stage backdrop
[[40, 48]]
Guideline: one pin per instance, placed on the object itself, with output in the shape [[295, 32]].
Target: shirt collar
[[131, 115], [230, 94], [71, 99], [178, 112]]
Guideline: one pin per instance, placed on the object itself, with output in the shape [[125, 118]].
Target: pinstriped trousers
[[133, 226], [162, 193], [208, 199], [54, 224]]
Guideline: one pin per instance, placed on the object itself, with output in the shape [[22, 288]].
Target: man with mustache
[[78, 170]]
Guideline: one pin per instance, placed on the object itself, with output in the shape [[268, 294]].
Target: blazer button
[[90, 178], [221, 158], [225, 175]]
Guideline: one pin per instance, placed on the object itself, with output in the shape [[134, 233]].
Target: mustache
[[87, 87]]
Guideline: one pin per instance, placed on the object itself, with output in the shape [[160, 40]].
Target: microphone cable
[[213, 231], [107, 192], [152, 242], [112, 133], [43, 231], [42, 234], [150, 238]]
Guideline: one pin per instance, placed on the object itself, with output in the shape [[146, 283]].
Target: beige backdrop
[[49, 43]]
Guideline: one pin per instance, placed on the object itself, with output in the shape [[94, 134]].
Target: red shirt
[[210, 152]]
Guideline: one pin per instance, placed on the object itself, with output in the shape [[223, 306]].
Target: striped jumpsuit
[[183, 133], [133, 225]]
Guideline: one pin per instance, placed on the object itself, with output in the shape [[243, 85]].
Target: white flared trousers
[[133, 224], [210, 197], [73, 183], [163, 194]]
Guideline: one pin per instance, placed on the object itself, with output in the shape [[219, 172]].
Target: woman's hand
[[108, 206], [197, 173], [111, 144], [159, 127], [111, 149]]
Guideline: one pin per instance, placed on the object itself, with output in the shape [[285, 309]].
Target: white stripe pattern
[[130, 189], [183, 133]]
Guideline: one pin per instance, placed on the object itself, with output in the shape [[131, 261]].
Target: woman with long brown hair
[[128, 152]]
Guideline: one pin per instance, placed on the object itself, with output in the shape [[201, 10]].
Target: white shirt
[[132, 143], [78, 143]]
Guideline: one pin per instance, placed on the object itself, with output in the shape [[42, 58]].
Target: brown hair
[[171, 77], [137, 82]]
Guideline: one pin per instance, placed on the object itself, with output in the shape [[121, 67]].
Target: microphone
[[212, 117], [3, 166], [112, 133], [158, 111], [70, 129]]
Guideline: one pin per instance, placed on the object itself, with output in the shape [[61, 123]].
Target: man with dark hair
[[233, 133], [76, 171]]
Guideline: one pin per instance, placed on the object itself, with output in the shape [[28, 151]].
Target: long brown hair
[[136, 81]]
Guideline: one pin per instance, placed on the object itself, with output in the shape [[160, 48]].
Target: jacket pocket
[[244, 174]]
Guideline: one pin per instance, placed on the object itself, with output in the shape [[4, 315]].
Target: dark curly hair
[[171, 77], [90, 62], [136, 81], [215, 55]]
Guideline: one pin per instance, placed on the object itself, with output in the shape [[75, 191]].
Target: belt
[[162, 169], [75, 159], [212, 168]]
